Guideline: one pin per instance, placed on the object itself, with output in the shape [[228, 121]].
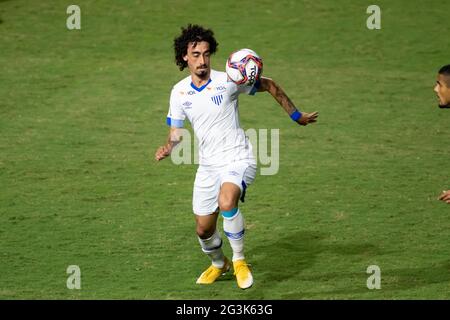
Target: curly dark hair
[[192, 33], [445, 70]]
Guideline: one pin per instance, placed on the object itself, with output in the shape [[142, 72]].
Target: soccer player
[[442, 89], [226, 162]]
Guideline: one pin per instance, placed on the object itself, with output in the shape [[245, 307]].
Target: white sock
[[213, 248], [234, 230]]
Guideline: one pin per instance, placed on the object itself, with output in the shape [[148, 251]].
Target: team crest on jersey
[[217, 99]]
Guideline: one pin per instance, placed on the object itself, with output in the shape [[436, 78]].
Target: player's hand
[[308, 118], [162, 152], [445, 196]]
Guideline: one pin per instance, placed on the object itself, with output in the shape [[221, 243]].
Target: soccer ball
[[244, 67]]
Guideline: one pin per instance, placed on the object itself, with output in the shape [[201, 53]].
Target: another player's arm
[[302, 118], [172, 140], [445, 196]]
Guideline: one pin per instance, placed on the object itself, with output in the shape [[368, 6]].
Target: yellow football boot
[[243, 274], [213, 273]]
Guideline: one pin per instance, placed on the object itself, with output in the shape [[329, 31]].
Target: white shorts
[[209, 180]]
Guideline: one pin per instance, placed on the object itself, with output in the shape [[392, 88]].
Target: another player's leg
[[233, 226], [211, 244]]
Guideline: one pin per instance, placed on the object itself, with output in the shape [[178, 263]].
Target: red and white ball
[[244, 67]]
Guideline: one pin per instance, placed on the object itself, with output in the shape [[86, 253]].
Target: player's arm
[[302, 118], [172, 140], [445, 196]]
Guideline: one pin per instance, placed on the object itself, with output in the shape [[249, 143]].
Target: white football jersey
[[213, 112]]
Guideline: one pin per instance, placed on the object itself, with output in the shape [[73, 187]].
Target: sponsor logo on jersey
[[191, 92], [220, 88]]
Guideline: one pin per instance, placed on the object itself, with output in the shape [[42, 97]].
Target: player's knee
[[226, 203], [229, 197], [205, 232]]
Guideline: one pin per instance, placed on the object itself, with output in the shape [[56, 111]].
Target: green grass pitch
[[83, 111]]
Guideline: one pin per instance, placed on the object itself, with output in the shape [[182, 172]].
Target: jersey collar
[[199, 89]]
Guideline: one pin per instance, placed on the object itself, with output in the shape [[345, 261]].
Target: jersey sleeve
[[250, 90], [176, 115]]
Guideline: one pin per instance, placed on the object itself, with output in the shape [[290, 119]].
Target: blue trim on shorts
[[244, 188]]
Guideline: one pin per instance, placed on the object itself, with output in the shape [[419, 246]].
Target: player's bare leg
[[233, 226], [211, 244], [206, 225]]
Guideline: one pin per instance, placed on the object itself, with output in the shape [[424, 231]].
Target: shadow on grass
[[411, 278], [401, 283], [295, 256], [289, 256], [284, 258]]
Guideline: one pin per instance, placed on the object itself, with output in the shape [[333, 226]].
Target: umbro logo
[[187, 103]]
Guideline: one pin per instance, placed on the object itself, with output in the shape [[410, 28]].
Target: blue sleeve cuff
[[174, 122], [255, 87]]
